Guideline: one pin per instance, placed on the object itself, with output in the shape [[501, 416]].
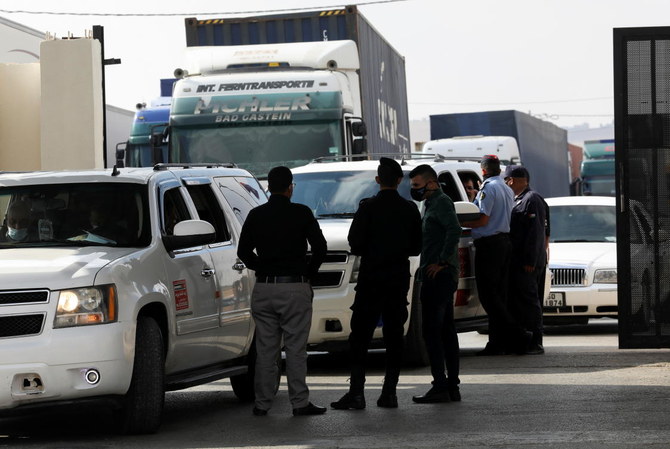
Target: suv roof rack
[[167, 166], [402, 156]]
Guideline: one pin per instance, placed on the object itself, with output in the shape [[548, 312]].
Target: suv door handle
[[239, 266], [207, 272]]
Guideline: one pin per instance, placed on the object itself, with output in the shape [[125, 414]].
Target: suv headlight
[[604, 277], [83, 306]]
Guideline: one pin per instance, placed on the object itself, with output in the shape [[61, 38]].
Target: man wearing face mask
[[17, 222], [439, 280], [493, 255], [385, 232]]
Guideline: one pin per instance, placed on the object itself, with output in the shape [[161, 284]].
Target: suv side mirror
[[466, 211], [190, 233]]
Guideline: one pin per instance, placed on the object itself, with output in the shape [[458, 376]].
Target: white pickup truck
[[333, 190], [125, 285]]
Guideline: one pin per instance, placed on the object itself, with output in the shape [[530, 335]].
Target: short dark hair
[[389, 171], [491, 164], [425, 171], [279, 179]]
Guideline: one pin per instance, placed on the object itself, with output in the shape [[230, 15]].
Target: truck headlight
[[89, 305], [605, 277]]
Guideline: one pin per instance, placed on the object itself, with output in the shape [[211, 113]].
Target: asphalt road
[[584, 392]]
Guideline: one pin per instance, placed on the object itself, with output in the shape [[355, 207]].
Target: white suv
[[126, 285], [333, 190]]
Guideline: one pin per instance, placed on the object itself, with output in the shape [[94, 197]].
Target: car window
[[449, 186], [78, 214], [209, 209], [333, 194], [242, 194], [174, 210], [583, 223]]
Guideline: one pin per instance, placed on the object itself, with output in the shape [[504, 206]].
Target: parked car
[[582, 259], [333, 190], [126, 284]]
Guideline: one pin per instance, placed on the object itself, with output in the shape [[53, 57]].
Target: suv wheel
[[143, 404], [243, 384]]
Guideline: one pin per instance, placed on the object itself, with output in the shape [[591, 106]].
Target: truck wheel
[[243, 384], [143, 404], [415, 348]]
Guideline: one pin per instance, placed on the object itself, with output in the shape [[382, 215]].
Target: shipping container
[[382, 68]]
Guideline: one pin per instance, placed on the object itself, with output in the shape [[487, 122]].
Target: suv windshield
[[583, 223], [337, 194], [100, 214]]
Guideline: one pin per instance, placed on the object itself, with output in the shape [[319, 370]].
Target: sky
[[549, 58]]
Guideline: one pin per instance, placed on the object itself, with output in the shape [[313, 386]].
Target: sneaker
[[433, 396], [490, 350], [535, 349], [349, 401], [259, 411], [388, 400]]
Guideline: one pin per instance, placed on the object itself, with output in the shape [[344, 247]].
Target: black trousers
[[524, 300], [439, 329], [388, 304], [492, 262]]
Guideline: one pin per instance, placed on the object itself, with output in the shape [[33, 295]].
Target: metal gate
[[642, 133]]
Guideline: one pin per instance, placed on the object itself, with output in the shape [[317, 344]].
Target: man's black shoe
[[490, 350], [309, 409], [455, 394], [433, 396], [259, 411], [388, 400], [350, 401], [535, 349]]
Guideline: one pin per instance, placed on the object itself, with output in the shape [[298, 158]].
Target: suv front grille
[[574, 277], [327, 279], [20, 325], [23, 297]]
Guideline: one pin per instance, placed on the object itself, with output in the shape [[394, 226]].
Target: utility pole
[[99, 34]]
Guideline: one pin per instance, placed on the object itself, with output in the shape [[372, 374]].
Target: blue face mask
[[17, 234]]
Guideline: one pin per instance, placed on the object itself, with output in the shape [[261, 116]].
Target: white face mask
[[17, 234]]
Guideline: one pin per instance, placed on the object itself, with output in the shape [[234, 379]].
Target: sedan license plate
[[554, 300]]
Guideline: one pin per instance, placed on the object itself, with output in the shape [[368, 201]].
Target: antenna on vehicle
[[115, 171]]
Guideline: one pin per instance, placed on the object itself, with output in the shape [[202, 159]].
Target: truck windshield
[[258, 147], [337, 194], [81, 214], [144, 155]]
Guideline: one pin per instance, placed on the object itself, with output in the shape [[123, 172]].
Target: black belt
[[281, 279], [491, 238]]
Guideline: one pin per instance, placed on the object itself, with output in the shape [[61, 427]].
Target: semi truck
[[138, 150], [543, 146], [286, 89], [597, 169]]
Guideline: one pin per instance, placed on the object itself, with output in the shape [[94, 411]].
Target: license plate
[[554, 300]]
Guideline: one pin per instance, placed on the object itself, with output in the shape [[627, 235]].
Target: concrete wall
[[20, 117], [72, 118]]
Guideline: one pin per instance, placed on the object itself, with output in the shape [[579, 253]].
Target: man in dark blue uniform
[[385, 232], [528, 231]]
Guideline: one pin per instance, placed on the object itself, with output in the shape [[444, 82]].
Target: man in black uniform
[[528, 231], [385, 231], [281, 302]]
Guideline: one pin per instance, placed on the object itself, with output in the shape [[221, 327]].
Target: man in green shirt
[[439, 275]]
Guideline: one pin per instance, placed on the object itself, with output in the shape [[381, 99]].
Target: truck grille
[[20, 325], [328, 279], [23, 297], [568, 276]]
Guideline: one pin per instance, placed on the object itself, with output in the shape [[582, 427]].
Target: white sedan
[[582, 259]]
